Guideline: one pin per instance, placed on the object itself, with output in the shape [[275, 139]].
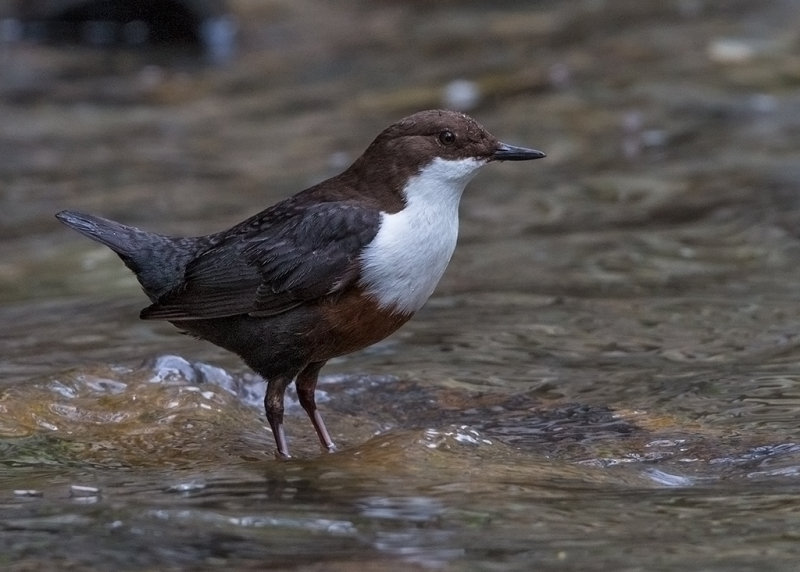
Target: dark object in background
[[204, 25]]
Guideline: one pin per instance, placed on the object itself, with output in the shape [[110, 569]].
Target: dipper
[[328, 271]]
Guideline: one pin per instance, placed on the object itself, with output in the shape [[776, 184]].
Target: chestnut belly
[[274, 345]]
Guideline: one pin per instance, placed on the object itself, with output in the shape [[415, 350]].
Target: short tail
[[157, 260]]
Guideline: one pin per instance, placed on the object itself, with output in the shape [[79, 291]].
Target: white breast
[[403, 264]]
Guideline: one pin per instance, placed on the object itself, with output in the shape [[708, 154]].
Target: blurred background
[[186, 117], [607, 377]]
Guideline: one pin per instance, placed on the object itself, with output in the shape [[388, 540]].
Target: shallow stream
[[608, 377]]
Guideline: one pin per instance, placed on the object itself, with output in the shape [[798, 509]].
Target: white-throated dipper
[[328, 271]]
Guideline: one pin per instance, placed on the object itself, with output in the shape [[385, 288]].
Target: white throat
[[403, 264]]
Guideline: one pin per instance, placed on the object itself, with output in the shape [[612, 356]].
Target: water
[[607, 378]]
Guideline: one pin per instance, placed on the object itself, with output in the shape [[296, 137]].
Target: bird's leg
[[273, 404], [306, 385]]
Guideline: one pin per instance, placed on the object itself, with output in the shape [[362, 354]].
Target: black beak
[[505, 152]]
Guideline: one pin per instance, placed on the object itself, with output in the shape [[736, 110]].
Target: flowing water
[[608, 377]]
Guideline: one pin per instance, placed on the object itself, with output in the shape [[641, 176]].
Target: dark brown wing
[[267, 266]]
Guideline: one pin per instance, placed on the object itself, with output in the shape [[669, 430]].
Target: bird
[[328, 271]]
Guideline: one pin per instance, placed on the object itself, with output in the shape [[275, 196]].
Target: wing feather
[[268, 266]]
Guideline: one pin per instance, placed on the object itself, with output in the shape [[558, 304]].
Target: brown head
[[419, 138], [405, 148]]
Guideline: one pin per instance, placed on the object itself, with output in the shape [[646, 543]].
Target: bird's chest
[[403, 264]]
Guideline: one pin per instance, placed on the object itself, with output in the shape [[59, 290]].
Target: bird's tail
[[157, 260]]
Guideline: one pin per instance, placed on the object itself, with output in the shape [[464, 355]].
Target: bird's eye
[[447, 137]]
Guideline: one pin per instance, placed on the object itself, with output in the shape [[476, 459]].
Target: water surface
[[607, 378]]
